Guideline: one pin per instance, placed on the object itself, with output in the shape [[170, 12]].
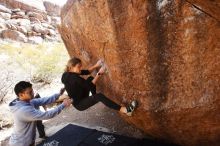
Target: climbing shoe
[[131, 107]]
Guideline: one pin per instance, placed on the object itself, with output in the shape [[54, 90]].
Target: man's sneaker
[[131, 107]]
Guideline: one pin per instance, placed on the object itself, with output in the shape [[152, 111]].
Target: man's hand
[[67, 102], [62, 90], [61, 98]]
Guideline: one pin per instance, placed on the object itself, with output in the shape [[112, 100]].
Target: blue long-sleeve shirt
[[25, 114]]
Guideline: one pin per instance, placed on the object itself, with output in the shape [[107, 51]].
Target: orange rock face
[[165, 54], [210, 7]]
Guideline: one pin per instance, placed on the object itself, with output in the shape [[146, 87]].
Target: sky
[[59, 2]]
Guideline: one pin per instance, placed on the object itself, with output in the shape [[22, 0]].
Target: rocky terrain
[[27, 22]]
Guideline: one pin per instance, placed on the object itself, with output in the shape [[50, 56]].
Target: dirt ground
[[97, 117]]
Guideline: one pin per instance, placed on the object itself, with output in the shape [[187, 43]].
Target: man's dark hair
[[21, 86]]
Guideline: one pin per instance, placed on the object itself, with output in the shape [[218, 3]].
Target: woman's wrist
[[98, 74]]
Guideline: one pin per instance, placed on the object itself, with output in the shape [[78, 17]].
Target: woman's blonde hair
[[71, 63]]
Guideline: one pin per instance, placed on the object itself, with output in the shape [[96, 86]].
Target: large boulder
[[163, 53], [2, 26], [13, 35], [46, 25], [4, 9], [22, 29], [52, 9], [18, 15], [11, 26], [34, 20], [5, 16], [36, 15], [28, 5], [40, 29]]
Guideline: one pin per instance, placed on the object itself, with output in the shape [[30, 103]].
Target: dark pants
[[89, 101], [91, 85], [40, 129], [33, 144]]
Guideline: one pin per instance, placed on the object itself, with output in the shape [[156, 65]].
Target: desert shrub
[[6, 83], [36, 63]]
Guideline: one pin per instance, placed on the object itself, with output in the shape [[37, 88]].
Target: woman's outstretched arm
[[101, 72], [97, 65]]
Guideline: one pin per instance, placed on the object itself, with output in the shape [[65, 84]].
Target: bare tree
[[6, 83]]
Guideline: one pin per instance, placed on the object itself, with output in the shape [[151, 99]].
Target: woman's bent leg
[[106, 101], [92, 100]]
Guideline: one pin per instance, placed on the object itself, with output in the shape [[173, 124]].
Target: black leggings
[[89, 101]]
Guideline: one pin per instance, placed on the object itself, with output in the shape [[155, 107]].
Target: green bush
[[41, 62]]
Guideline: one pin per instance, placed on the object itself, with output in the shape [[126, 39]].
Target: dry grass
[[36, 63], [42, 62]]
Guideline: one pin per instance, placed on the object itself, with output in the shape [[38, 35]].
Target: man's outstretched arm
[[46, 100], [32, 114]]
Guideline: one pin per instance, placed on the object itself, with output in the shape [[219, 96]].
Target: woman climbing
[[79, 89]]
